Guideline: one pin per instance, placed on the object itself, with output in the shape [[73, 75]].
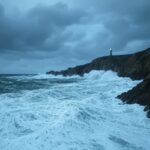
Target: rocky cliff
[[136, 66]]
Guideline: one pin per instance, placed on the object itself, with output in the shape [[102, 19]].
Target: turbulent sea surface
[[44, 112]]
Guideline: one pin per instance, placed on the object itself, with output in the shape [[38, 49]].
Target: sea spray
[[45, 112]]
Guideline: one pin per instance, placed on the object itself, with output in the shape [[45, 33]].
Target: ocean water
[[44, 112]]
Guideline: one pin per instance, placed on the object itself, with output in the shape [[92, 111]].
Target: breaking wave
[[45, 112]]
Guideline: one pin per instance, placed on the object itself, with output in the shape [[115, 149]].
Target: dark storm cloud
[[63, 35], [126, 21], [40, 29]]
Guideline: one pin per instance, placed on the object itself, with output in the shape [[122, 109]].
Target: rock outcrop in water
[[139, 94], [136, 66]]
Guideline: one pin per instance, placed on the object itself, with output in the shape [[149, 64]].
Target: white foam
[[77, 116]]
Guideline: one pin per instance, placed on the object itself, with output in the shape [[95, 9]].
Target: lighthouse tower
[[110, 50]]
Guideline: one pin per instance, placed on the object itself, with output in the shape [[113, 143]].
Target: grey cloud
[[127, 19], [41, 28], [62, 36]]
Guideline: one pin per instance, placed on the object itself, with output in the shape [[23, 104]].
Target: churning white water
[[45, 112]]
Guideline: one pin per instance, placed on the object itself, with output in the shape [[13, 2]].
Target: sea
[[46, 112]]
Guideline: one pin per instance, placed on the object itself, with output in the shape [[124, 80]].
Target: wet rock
[[148, 114], [139, 94]]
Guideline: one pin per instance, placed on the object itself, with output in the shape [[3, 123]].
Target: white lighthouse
[[110, 50]]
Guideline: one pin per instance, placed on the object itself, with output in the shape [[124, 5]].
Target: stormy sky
[[41, 35]]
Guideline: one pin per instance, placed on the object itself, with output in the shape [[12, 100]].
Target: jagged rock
[[139, 94]]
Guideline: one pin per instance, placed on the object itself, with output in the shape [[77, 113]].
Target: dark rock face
[[139, 94], [136, 66]]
